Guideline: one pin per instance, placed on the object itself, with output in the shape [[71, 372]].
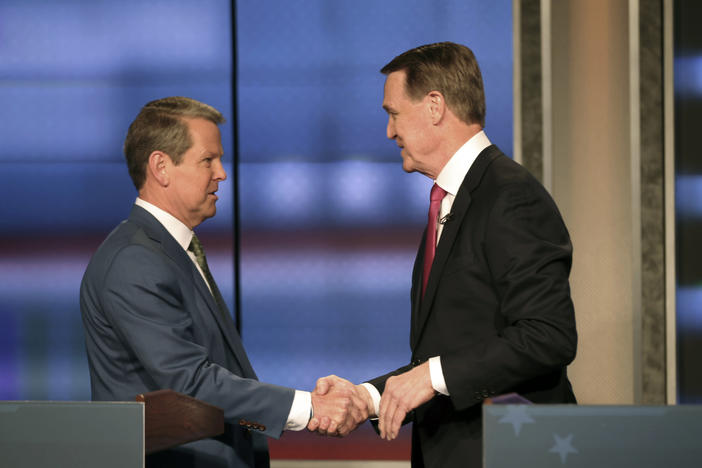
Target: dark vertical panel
[[235, 174], [688, 121]]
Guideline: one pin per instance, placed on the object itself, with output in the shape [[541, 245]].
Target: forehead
[[394, 88], [205, 134]]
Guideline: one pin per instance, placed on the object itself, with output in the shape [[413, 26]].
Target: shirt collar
[[451, 176], [180, 232]]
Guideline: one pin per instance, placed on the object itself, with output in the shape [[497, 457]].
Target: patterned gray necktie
[[196, 248]]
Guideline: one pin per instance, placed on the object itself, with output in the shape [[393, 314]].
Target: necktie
[[196, 248], [437, 194]]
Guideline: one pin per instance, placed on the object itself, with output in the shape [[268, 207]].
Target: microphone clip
[[446, 218]]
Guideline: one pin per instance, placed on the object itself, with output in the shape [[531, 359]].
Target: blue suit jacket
[[151, 323]]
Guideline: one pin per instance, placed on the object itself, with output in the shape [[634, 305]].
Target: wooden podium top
[[172, 419]]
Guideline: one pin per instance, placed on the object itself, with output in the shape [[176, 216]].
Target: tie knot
[[196, 247], [437, 193]]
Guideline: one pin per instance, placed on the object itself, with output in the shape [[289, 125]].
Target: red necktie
[[437, 194]]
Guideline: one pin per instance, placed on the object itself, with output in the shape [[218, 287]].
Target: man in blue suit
[[153, 315]]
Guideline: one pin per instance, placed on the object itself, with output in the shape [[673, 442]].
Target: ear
[[437, 106], [157, 167]]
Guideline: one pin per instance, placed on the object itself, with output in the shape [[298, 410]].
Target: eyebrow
[[208, 154]]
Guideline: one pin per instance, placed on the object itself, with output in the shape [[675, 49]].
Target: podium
[[71, 434], [172, 419], [592, 436], [106, 434]]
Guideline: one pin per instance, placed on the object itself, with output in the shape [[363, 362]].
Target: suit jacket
[[151, 323], [497, 309]]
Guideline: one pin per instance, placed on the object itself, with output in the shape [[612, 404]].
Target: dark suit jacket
[[497, 308], [151, 323]]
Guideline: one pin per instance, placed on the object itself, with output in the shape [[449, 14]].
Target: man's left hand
[[402, 394]]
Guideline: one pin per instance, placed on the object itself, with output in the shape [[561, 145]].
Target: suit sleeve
[[142, 298], [379, 382], [528, 252]]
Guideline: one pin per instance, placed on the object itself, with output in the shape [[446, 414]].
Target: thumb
[[323, 386]]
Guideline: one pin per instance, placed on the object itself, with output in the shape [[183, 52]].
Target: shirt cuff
[[300, 411], [375, 396], [437, 375]]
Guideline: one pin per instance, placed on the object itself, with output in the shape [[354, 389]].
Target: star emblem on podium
[[516, 416], [563, 446]]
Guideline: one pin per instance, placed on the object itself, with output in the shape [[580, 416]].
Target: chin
[[407, 166], [207, 215]]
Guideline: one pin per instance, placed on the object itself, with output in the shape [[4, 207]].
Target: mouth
[[213, 194]]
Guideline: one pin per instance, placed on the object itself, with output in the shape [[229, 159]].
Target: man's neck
[[456, 138], [159, 202]]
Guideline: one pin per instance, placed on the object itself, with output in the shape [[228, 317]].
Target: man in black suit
[[491, 313]]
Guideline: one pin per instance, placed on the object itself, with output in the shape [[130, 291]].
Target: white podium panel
[[592, 436], [37, 434]]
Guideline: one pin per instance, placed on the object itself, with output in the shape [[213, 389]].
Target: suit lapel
[[416, 293], [175, 252], [448, 237], [226, 324]]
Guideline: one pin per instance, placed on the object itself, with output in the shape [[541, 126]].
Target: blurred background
[[317, 225], [328, 222]]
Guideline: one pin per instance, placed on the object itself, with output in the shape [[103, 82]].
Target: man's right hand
[[339, 406]]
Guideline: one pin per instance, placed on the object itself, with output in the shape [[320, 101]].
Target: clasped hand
[[402, 394], [339, 406]]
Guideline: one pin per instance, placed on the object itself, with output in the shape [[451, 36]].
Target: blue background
[[329, 222]]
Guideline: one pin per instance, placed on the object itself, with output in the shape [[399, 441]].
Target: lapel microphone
[[446, 218]]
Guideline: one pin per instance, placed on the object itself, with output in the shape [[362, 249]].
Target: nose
[[219, 173], [390, 130]]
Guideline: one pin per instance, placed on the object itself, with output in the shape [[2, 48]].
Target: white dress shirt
[[450, 179], [301, 407]]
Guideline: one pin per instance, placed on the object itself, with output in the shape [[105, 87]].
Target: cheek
[[411, 135], [412, 126], [205, 185], [195, 192]]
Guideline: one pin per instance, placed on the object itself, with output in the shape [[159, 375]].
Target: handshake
[[339, 406]]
